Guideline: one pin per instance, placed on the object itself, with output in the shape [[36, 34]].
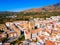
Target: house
[[0, 43], [40, 39], [12, 34], [27, 35], [33, 43], [34, 34], [17, 30], [49, 43], [6, 43]]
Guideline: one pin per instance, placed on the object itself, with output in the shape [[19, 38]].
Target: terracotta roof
[[49, 43]]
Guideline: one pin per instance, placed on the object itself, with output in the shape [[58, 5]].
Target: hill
[[51, 8], [47, 11]]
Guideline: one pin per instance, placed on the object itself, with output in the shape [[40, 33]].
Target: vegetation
[[18, 40], [47, 11], [4, 40], [26, 16]]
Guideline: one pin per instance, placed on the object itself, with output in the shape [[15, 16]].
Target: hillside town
[[36, 31]]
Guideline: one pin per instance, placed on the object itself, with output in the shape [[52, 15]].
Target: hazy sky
[[20, 5]]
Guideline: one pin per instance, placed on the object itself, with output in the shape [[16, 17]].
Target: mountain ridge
[[50, 8]]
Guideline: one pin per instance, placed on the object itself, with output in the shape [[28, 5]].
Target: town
[[36, 31]]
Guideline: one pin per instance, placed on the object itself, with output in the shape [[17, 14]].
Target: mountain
[[51, 8], [47, 11], [57, 5]]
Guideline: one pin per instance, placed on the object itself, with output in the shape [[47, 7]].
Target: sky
[[21, 5]]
